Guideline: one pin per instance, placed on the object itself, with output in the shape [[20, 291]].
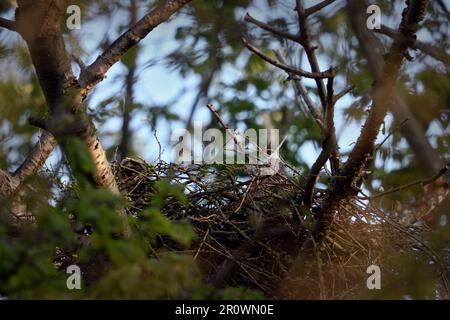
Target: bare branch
[[37, 156], [422, 182], [331, 139], [269, 28], [8, 24], [426, 48], [311, 10], [313, 108], [343, 93], [80, 63], [217, 116], [304, 39], [95, 72], [314, 174], [299, 72], [305, 34], [31, 164], [330, 106], [329, 146]]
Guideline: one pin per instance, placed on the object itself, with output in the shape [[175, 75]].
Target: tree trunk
[[39, 23]]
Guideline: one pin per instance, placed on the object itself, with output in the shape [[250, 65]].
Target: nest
[[247, 232]]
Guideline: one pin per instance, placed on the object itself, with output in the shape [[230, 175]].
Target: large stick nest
[[247, 233]]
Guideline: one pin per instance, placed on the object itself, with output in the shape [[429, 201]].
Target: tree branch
[[329, 145], [426, 156], [10, 183], [305, 34], [36, 157], [329, 150], [331, 130], [265, 26], [311, 10], [427, 48], [95, 72], [384, 92], [301, 90], [345, 185], [299, 72], [422, 182], [8, 24], [343, 93]]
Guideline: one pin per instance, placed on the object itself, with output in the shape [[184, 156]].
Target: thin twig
[[427, 48], [313, 108], [305, 34], [311, 10], [267, 27], [422, 182], [389, 135], [299, 72], [344, 92], [217, 115]]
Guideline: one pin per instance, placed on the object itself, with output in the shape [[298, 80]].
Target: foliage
[[75, 223]]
